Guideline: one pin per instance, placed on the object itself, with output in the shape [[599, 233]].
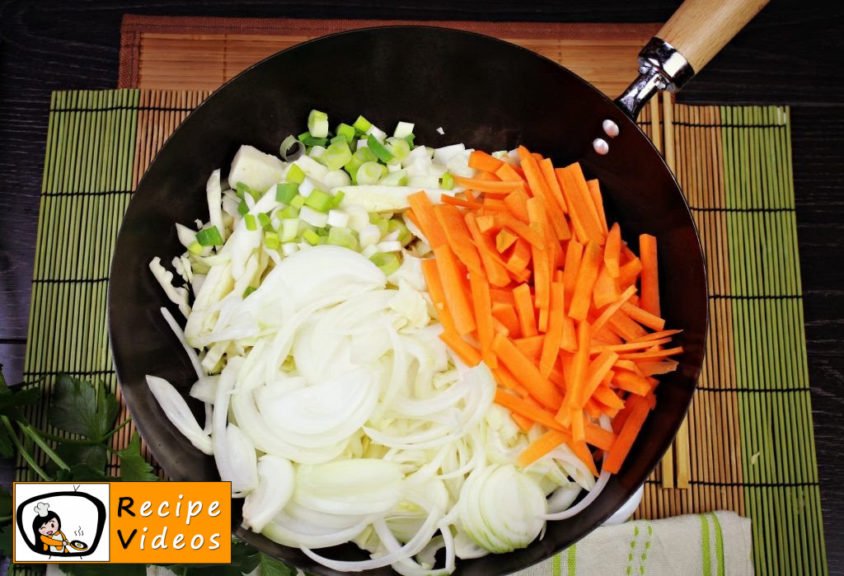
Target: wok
[[484, 92]]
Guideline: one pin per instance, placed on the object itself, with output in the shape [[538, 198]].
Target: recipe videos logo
[[122, 522]]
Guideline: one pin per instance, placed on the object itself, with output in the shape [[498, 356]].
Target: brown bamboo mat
[[751, 446], [201, 53]]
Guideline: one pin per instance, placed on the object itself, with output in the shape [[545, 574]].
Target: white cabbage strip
[[332, 405]]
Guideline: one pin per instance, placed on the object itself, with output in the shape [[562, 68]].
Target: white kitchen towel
[[713, 544]]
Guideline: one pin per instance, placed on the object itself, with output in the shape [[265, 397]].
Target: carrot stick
[[541, 266], [519, 259], [653, 354], [455, 201], [526, 372], [465, 351], [574, 255], [536, 182], [504, 239], [554, 336], [530, 346], [496, 272], [598, 202], [520, 228], [482, 302], [541, 446], [584, 216], [643, 317], [453, 280], [650, 274], [423, 212], [486, 222], [578, 432], [612, 251], [630, 346], [659, 335], [626, 327], [586, 276], [435, 289], [516, 202], [526, 409], [624, 441], [569, 339], [582, 452], [457, 235], [506, 379], [610, 310], [547, 168], [631, 382], [495, 188], [508, 174], [656, 368], [629, 273], [525, 310], [506, 314], [605, 291], [598, 437], [480, 160], [595, 374], [605, 395], [576, 376]]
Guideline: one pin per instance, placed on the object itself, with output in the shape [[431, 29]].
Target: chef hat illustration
[[42, 508]]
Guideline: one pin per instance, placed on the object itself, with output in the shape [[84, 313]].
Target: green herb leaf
[[87, 462], [80, 407], [272, 567], [133, 467], [7, 448], [6, 540]]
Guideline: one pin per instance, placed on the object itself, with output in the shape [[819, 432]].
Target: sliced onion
[[178, 413]]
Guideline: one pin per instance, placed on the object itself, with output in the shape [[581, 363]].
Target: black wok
[[484, 92]]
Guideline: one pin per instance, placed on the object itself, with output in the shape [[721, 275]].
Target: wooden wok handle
[[700, 28]]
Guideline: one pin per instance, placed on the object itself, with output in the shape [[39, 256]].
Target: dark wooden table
[[791, 54]]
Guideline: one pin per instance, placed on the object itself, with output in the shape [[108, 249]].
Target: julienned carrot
[[586, 276], [468, 353], [555, 315], [612, 251], [526, 372], [494, 267], [598, 203], [650, 274], [480, 160], [498, 188], [423, 210], [453, 280], [482, 302], [525, 310], [643, 317], [454, 226], [624, 441]]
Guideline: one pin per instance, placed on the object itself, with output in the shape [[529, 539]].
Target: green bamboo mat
[[751, 438]]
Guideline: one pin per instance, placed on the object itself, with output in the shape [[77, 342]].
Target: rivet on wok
[[610, 128], [600, 145]]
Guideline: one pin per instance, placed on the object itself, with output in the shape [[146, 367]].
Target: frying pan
[[481, 91]]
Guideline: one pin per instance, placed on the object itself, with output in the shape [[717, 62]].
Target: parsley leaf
[[80, 407], [133, 467], [272, 567], [87, 462]]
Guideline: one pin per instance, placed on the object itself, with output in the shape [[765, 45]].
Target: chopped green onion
[[343, 237], [251, 222], [336, 155], [386, 262], [410, 138], [209, 237], [242, 207], [397, 178], [371, 173], [289, 229], [382, 223], [403, 129], [313, 217], [380, 151], [264, 221], [311, 237], [243, 189], [346, 131], [337, 199], [297, 201], [271, 240], [405, 236], [447, 181], [398, 147], [290, 148], [195, 248], [249, 290], [286, 191], [288, 212], [320, 200], [351, 168], [295, 174], [365, 155], [338, 139], [310, 140], [362, 125], [318, 124]]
